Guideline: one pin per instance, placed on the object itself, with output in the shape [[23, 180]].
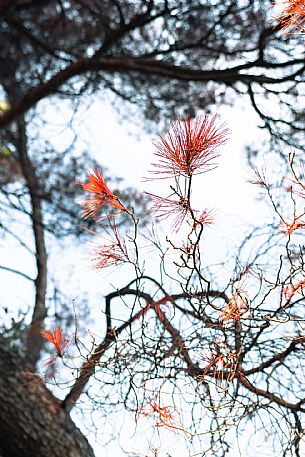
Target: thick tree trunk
[[32, 423]]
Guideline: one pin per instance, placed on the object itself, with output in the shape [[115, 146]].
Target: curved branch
[[272, 397], [276, 358], [130, 65], [88, 368], [17, 272], [192, 368]]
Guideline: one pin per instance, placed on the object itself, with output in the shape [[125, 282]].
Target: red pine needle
[[207, 217], [290, 290], [110, 254], [291, 16], [235, 308], [165, 207], [289, 227], [259, 178], [100, 196], [57, 339], [165, 415], [190, 147]]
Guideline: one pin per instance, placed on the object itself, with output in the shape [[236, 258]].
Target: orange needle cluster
[[291, 16], [56, 338], [190, 146], [110, 254], [234, 309], [165, 415], [291, 289], [289, 227], [100, 195], [223, 362]]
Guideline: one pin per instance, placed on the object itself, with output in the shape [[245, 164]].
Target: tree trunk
[[32, 423], [35, 342]]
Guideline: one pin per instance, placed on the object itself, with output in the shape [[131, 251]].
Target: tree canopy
[[229, 352], [167, 57]]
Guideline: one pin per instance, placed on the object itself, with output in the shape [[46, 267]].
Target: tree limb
[[134, 64], [34, 341]]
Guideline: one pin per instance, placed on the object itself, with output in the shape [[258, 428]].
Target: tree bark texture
[[32, 423]]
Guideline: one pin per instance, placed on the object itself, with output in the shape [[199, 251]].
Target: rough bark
[[32, 423]]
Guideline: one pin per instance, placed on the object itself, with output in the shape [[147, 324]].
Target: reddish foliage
[[57, 339], [100, 196], [223, 361], [291, 16], [190, 147], [259, 178], [207, 217], [289, 227], [235, 308], [110, 254], [106, 256], [290, 290], [166, 416], [165, 207]]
